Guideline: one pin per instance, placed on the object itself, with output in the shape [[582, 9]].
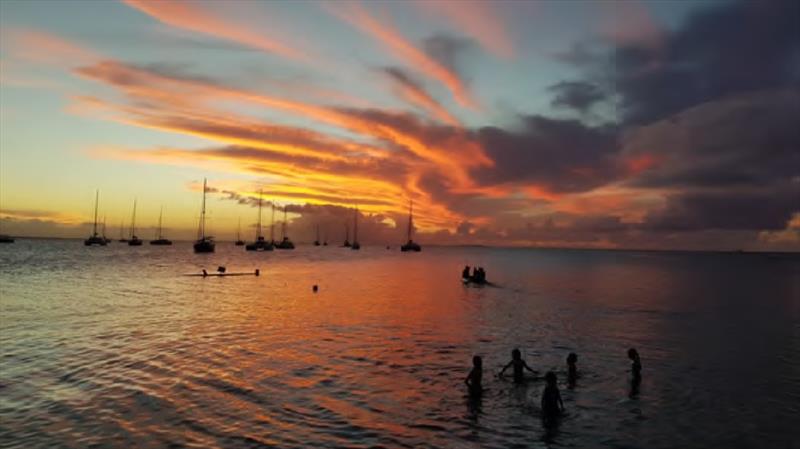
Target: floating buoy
[[315, 288], [258, 272]]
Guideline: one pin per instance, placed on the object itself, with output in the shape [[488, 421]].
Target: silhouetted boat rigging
[[410, 245], [95, 239], [122, 238], [134, 241], [346, 236], [239, 241], [285, 243], [355, 245], [108, 240], [260, 244], [204, 243], [160, 240]]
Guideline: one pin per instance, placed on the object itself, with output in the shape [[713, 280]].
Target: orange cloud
[[46, 48], [478, 19], [357, 16], [194, 17]]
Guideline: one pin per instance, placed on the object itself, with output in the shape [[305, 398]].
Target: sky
[[600, 124]]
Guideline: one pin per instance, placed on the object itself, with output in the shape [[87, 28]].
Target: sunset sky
[[633, 124]]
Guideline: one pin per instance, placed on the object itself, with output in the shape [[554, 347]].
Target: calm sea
[[113, 347]]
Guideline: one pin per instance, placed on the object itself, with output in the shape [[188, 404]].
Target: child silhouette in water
[[475, 377], [572, 369], [552, 406], [518, 364], [636, 366]]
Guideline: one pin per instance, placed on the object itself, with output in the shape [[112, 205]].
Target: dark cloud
[[561, 155], [577, 95], [723, 49], [730, 210]]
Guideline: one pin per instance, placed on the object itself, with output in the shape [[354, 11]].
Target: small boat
[[95, 238], [134, 241], [122, 238], [239, 241], [204, 243], [160, 240], [6, 239], [260, 244], [346, 243], [355, 245], [316, 242], [285, 243], [410, 245]]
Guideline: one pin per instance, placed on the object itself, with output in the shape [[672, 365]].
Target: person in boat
[[482, 275], [476, 274], [552, 405], [518, 364], [475, 377], [572, 369], [465, 273]]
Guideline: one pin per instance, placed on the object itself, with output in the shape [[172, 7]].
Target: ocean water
[[113, 347]]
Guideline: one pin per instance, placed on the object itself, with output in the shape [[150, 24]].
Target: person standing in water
[[636, 366], [475, 377], [552, 405], [465, 273], [519, 365], [572, 369]]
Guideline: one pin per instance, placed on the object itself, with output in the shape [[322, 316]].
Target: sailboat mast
[[96, 200], [202, 230], [133, 219], [160, 215], [239, 229], [104, 226], [355, 226], [283, 226], [317, 231], [272, 224], [258, 230], [410, 214]]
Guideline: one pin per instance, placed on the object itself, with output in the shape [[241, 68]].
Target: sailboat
[[134, 241], [346, 243], [108, 240], [272, 226], [122, 238], [239, 241], [285, 243], [95, 239], [355, 245], [260, 244], [410, 245], [160, 240], [204, 244], [316, 242]]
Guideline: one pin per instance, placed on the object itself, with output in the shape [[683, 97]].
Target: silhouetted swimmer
[[519, 365], [315, 288], [636, 366], [465, 272], [475, 377], [572, 369], [257, 272], [552, 405], [221, 269], [205, 273]]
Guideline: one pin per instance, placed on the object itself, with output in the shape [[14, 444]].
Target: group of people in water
[[552, 407], [478, 275]]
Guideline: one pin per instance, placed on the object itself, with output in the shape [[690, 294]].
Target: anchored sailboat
[[239, 241], [355, 245], [285, 242], [108, 240], [160, 240], [346, 236], [95, 239], [204, 244], [316, 241], [134, 241], [260, 244], [410, 245]]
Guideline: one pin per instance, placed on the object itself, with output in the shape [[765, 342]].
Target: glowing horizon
[[502, 121]]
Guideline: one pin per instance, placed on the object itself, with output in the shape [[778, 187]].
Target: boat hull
[[204, 247], [411, 246], [95, 241], [161, 242], [135, 242]]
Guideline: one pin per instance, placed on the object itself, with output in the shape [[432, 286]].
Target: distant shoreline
[[542, 248]]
